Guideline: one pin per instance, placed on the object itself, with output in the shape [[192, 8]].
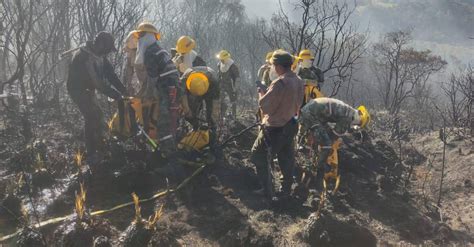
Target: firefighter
[[312, 75], [163, 74], [263, 71], [317, 116], [186, 57], [202, 89], [90, 71], [229, 79]]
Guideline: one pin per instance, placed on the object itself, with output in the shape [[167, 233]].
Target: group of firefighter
[[178, 84]]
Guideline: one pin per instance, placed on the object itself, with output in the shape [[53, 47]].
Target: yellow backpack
[[311, 91], [194, 141]]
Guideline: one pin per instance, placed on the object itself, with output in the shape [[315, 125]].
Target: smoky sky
[[260, 8], [444, 26]]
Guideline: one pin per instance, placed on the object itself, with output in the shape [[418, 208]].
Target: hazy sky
[[260, 8]]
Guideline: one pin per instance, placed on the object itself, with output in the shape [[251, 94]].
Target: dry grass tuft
[[136, 201], [155, 217], [80, 203]]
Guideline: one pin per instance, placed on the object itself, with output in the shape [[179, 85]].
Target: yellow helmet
[[147, 28], [268, 56], [305, 54], [223, 55], [364, 116], [197, 83], [185, 44]]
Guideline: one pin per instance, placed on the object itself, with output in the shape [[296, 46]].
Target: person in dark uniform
[[90, 71], [229, 79]]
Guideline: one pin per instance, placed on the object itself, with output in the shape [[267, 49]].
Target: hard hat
[[268, 56], [146, 27], [223, 55], [185, 44], [305, 54], [364, 116], [197, 83], [105, 41]]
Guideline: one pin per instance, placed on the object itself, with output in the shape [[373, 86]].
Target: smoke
[[443, 26], [260, 8]]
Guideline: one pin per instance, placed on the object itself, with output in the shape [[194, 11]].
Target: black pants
[[281, 140], [94, 123], [226, 88]]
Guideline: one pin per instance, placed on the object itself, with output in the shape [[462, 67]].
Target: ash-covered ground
[[375, 205]]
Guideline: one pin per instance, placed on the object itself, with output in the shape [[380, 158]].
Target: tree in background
[[459, 90], [215, 25], [326, 29], [401, 71]]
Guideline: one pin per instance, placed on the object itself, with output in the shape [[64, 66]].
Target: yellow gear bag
[[132, 111], [311, 91], [194, 141]]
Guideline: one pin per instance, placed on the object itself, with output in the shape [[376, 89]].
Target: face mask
[[273, 75], [186, 61], [306, 63], [356, 118], [143, 43], [224, 65]]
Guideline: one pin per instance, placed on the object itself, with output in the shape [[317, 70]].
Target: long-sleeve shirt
[[129, 69], [312, 75], [160, 67], [282, 100], [230, 77], [321, 111], [88, 72], [191, 106]]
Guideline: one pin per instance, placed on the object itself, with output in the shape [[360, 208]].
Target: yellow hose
[[120, 206]]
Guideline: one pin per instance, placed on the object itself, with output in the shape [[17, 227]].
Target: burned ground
[[218, 208]]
